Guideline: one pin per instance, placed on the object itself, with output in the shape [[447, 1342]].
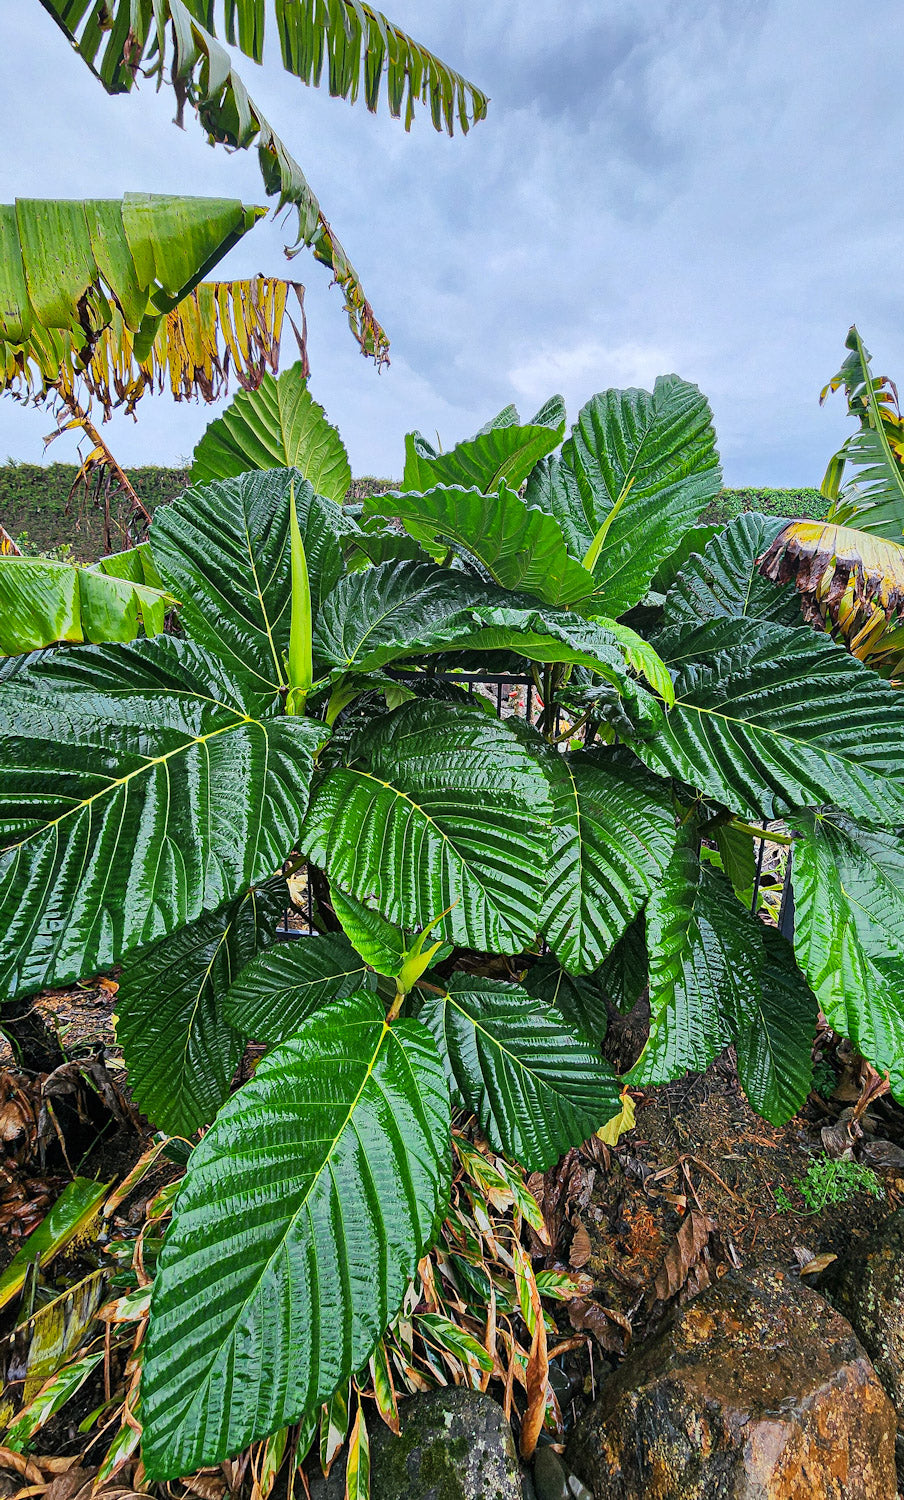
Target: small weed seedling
[[830, 1181]]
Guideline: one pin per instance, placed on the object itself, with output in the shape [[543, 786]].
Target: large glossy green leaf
[[773, 1028], [43, 602], [280, 988], [520, 546], [141, 785], [180, 1052], [536, 1087], [849, 932], [278, 426], [438, 807], [695, 539], [725, 579], [697, 954], [580, 1000], [303, 1214], [651, 455], [717, 977], [768, 720], [500, 453], [414, 609], [614, 830], [223, 549]]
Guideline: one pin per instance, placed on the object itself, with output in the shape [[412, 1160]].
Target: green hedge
[[35, 506], [803, 505]]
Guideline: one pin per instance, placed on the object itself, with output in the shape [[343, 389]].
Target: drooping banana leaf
[[362, 50], [637, 470], [71, 270], [277, 426], [44, 602], [851, 583], [305, 1207], [873, 498]]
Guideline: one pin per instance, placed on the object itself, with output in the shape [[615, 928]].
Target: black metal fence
[[518, 696]]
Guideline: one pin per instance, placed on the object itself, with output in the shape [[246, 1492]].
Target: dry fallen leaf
[[682, 1257], [581, 1249], [611, 1329], [817, 1264]]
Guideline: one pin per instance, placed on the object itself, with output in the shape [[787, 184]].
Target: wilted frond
[[874, 495], [851, 584], [220, 329], [360, 48]]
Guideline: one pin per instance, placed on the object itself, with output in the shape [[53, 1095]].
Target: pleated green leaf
[[415, 609], [536, 1087], [625, 971], [849, 932], [520, 546], [614, 830], [381, 944], [180, 1052], [302, 1217], [223, 549], [498, 454], [768, 720], [44, 602], [773, 1028], [278, 426], [651, 455], [280, 988], [699, 957], [580, 1000], [725, 579], [717, 975], [695, 539], [438, 806], [140, 786]]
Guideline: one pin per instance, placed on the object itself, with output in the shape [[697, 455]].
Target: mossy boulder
[[454, 1444], [868, 1288], [755, 1390]]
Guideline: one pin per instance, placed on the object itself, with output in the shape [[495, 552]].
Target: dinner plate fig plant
[[304, 711]]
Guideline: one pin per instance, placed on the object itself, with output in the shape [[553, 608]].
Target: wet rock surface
[[755, 1390], [455, 1444], [868, 1288]]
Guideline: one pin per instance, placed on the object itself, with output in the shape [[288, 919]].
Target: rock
[[455, 1444], [552, 1481], [868, 1288], [755, 1390]]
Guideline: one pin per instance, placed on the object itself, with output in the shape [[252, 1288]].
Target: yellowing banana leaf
[[851, 583], [222, 328], [44, 602], [69, 1218], [69, 271]]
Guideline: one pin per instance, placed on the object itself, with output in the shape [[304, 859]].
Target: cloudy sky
[[706, 186]]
